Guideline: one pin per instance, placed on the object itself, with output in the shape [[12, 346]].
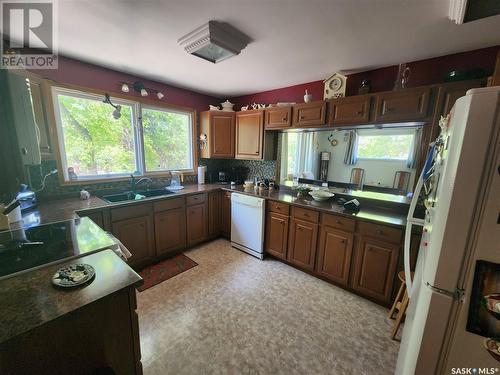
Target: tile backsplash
[[53, 189]]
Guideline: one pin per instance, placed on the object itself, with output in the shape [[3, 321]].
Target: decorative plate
[[73, 275]]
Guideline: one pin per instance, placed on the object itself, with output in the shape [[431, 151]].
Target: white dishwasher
[[247, 224]]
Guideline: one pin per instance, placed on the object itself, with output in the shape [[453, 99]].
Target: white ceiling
[[294, 41]]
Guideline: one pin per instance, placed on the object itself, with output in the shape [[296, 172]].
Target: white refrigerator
[[461, 182]]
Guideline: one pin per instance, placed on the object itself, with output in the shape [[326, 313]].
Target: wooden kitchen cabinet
[[278, 118], [311, 114], [170, 230], [375, 268], [219, 129], [402, 105], [136, 234], [214, 213], [276, 234], [334, 254], [350, 110], [226, 214], [302, 243], [197, 220]]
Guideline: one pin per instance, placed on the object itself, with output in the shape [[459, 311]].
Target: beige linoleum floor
[[235, 314]]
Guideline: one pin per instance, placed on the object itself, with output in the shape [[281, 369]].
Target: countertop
[[64, 209], [30, 300]]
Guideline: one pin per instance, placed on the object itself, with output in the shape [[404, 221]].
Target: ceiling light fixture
[[140, 88], [118, 108], [214, 41], [160, 95], [456, 11], [125, 87]]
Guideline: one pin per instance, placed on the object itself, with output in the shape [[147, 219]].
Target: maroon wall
[[423, 72], [92, 76]]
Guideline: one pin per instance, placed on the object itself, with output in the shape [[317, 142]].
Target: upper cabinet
[[278, 118], [252, 143], [402, 105], [311, 114], [219, 129], [350, 110]]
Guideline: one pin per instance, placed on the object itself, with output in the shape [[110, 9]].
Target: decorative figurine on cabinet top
[[335, 86]]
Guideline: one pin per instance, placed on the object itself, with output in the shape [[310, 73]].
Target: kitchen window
[[384, 147], [94, 145]]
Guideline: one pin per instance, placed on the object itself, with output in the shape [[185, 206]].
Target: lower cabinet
[[214, 213], [302, 243], [197, 220], [226, 214], [170, 230], [276, 234], [375, 268], [136, 234], [334, 254]]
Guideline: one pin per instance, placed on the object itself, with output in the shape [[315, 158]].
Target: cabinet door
[[334, 254], [309, 114], [302, 243], [249, 134], [351, 110], [376, 264], [214, 213], [226, 215], [403, 105], [170, 230], [278, 117], [276, 234], [137, 236], [197, 217], [222, 135]]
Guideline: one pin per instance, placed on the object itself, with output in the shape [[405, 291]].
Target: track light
[[125, 87], [144, 92], [118, 108], [160, 95]]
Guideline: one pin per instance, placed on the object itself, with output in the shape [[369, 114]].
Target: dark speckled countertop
[[30, 300], [64, 209]]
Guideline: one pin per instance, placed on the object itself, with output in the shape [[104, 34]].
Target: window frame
[[192, 136], [412, 135], [51, 89]]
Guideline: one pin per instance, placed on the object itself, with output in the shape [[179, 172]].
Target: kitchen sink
[[130, 196]]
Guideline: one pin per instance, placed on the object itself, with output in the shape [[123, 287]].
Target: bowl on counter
[[321, 195]]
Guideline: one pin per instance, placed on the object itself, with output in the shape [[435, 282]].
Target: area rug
[[164, 270]]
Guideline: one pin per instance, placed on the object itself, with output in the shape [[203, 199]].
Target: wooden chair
[[357, 177], [401, 180], [400, 304]]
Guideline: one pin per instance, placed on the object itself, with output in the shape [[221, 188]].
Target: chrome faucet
[[134, 183]]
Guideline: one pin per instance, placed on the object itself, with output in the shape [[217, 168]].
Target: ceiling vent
[[214, 41]]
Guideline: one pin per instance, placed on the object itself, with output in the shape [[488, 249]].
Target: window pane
[[167, 140], [384, 146], [95, 143]]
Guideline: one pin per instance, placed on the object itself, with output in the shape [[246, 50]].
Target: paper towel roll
[[201, 174]]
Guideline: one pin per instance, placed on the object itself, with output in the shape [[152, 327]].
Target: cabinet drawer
[[351, 110], [278, 117], [309, 114], [381, 232], [403, 105], [307, 215], [169, 204], [338, 222], [196, 199], [131, 212], [280, 208]]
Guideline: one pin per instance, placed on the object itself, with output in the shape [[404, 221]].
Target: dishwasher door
[[247, 224]]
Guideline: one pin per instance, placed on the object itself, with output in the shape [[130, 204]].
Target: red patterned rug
[[164, 270]]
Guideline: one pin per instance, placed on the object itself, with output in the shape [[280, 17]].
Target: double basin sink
[[131, 196]]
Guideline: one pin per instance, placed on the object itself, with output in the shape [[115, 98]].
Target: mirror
[[381, 160]]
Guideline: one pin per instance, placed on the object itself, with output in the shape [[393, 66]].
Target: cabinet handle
[[299, 228], [360, 112], [283, 119], [282, 223], [389, 109], [342, 241], [302, 117]]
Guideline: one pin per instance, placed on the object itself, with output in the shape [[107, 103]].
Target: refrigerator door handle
[[410, 221]]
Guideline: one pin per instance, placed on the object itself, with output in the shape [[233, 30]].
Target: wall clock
[[335, 86]]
